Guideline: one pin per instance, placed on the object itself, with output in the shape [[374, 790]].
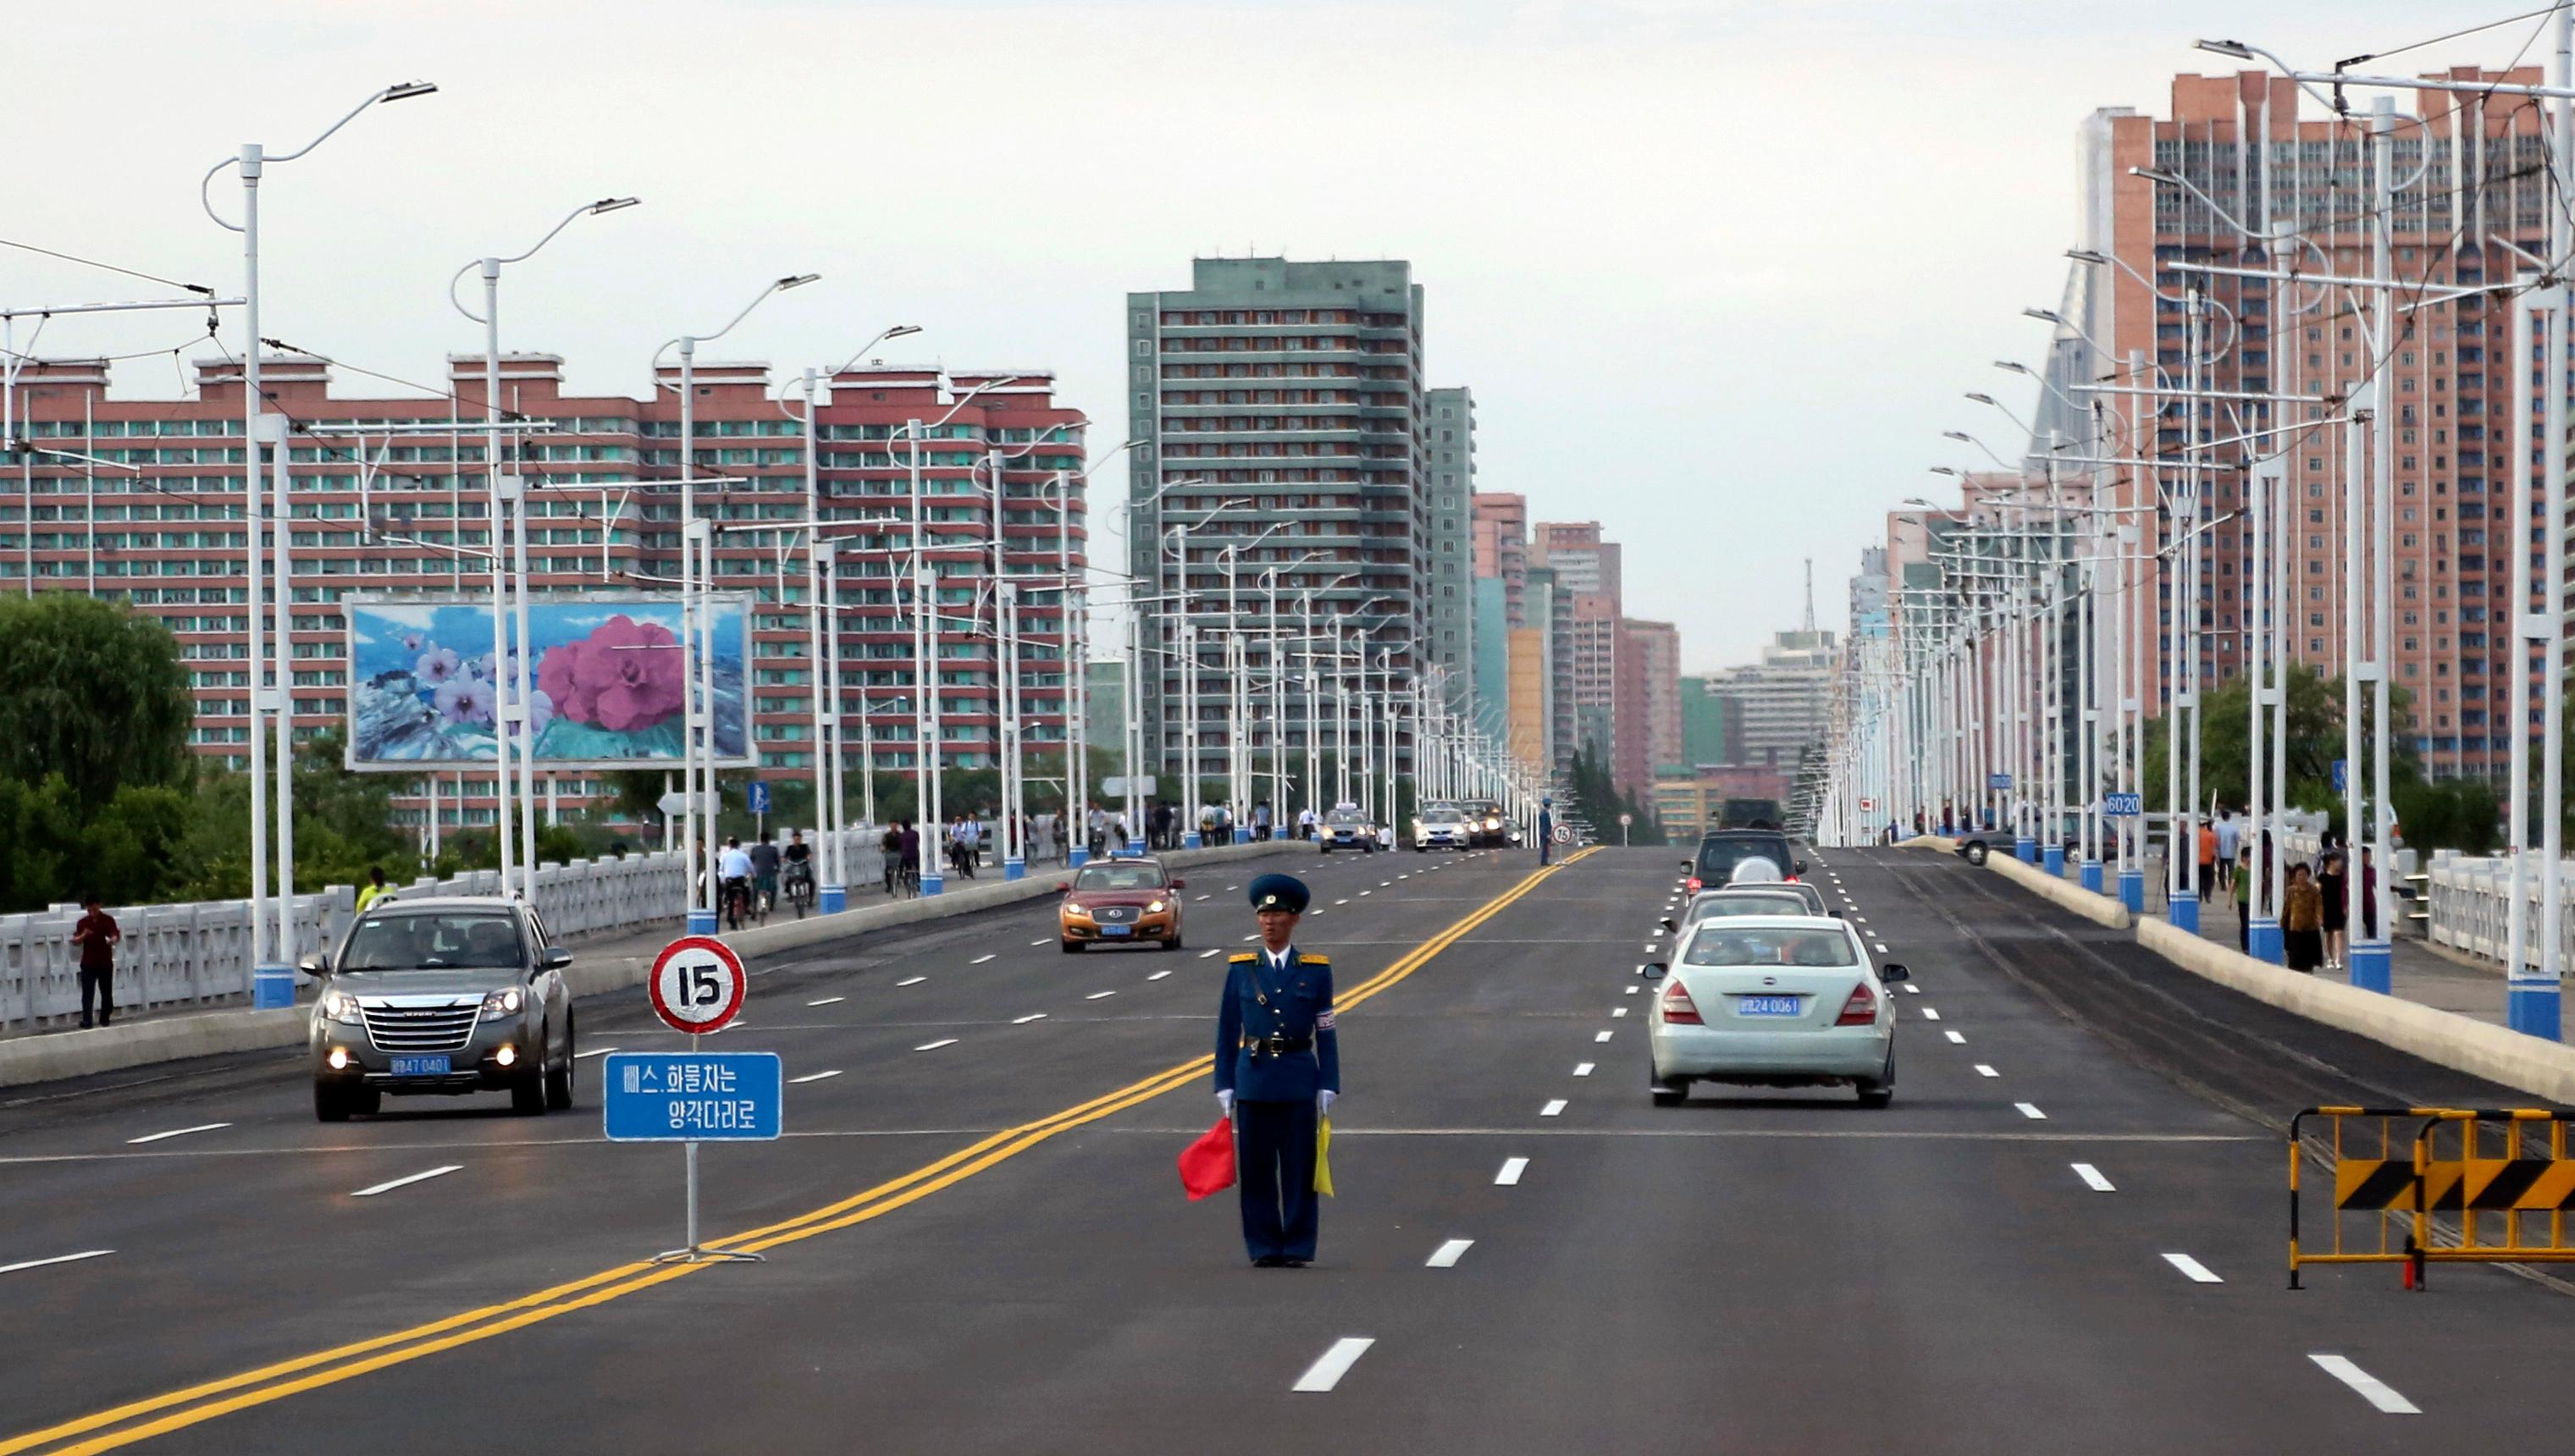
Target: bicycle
[[800, 888], [737, 895]]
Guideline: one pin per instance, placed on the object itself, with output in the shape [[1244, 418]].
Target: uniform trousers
[[1275, 1164]]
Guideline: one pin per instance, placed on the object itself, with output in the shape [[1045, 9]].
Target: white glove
[[1224, 1104], [1323, 1103]]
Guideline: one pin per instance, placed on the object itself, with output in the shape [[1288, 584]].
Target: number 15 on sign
[[698, 985]]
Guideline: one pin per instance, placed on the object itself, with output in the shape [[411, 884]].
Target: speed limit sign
[[1563, 835], [698, 985]]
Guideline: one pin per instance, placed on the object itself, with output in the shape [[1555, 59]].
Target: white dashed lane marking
[[1158, 976], [1930, 1015], [389, 1186], [177, 1132], [2030, 1111], [1603, 1036], [1511, 1173], [912, 981], [605, 1051], [935, 1045], [2193, 1269], [1024, 1020], [1204, 954], [2092, 1175], [1326, 1372], [813, 1077], [1955, 1039], [978, 960], [2372, 1389], [1553, 1108], [834, 1000], [1582, 1068], [1095, 995], [1447, 1255], [56, 1259]]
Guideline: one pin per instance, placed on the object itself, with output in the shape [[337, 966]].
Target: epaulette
[[1314, 960], [1246, 956]]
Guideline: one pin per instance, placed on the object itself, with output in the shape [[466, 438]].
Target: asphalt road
[[977, 1243]]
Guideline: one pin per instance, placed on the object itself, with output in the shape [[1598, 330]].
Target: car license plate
[[1117, 929], [420, 1066], [1766, 1006]]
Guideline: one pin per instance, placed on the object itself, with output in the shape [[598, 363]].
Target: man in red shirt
[[97, 935]]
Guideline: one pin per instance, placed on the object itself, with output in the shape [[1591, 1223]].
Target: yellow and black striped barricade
[[2373, 1158], [2492, 1188]]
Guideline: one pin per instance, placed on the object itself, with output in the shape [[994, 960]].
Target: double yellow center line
[[177, 1409]]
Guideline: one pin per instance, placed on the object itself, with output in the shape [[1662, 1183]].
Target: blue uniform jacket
[[1259, 1004]]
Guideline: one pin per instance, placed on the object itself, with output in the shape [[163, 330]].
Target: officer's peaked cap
[[1281, 893]]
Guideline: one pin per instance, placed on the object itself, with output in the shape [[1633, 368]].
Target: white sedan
[[1772, 1001]]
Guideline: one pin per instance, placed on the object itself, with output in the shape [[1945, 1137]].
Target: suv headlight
[[340, 1006], [1155, 908], [1071, 909], [502, 1002]]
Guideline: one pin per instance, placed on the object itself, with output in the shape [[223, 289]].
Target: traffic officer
[[1278, 1067], [1546, 829]]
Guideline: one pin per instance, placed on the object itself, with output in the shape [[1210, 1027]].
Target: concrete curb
[[2543, 1068], [2100, 910], [51, 1056]]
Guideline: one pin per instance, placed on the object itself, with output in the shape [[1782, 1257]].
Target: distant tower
[[1810, 594]]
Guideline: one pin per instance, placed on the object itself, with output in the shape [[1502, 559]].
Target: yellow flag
[[1324, 1157]]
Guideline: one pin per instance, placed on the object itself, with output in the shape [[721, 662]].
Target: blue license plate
[[420, 1066], [1117, 929], [1766, 1006]]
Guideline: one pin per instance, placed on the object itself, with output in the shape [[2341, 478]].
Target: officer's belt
[[1261, 1046]]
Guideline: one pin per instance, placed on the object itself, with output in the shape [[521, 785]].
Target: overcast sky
[[1719, 273]]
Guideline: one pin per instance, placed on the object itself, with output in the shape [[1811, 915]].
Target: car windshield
[[1440, 815], [433, 941], [1346, 816], [1718, 857], [1770, 946], [1748, 905], [1120, 876]]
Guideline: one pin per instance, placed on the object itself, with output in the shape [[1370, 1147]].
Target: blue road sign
[[2343, 773], [2124, 806], [758, 795], [1998, 780], [692, 1096]]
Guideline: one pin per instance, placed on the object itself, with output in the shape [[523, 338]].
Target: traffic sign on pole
[[698, 985], [1998, 780], [692, 1096], [756, 796]]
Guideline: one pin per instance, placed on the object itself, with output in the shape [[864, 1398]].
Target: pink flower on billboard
[[437, 667], [411, 640], [624, 677]]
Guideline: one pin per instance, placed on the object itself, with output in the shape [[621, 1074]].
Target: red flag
[[1206, 1165]]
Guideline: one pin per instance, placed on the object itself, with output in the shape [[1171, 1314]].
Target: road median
[[52, 1056]]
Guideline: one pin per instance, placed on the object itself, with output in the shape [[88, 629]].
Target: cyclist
[[732, 874], [799, 871], [763, 873], [891, 848]]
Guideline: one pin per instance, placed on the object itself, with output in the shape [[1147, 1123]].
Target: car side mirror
[[1652, 969], [1179, 885], [1893, 970], [555, 959], [314, 964], [1667, 923], [1836, 915], [1688, 864]]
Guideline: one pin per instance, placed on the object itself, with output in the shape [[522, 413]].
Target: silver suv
[[447, 996]]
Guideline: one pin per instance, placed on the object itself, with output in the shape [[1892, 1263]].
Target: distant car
[[1441, 827], [1722, 852], [1348, 829], [1771, 1001], [1790, 898], [1488, 826], [442, 996], [1120, 902]]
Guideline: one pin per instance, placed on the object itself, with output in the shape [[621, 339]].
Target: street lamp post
[[272, 961]]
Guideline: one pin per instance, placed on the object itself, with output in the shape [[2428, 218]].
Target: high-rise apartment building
[[1781, 701], [1647, 729], [1588, 571], [2471, 204], [1449, 605], [1285, 441], [141, 500]]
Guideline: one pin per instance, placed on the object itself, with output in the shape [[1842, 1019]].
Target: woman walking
[[2302, 921], [2330, 882]]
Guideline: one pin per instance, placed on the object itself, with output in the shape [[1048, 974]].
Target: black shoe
[[1270, 1261], [1293, 1263], [84, 1024]]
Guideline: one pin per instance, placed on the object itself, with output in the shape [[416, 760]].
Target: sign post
[[756, 791], [1624, 821], [698, 986]]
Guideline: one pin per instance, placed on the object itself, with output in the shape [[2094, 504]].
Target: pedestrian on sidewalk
[[374, 889], [97, 935], [2331, 881], [2243, 876], [2207, 861], [2230, 845], [2302, 919]]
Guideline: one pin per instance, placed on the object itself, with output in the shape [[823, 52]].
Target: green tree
[[93, 691]]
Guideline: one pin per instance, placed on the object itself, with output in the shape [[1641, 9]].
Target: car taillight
[[1860, 1009], [1694, 884], [1679, 1008], [1792, 879]]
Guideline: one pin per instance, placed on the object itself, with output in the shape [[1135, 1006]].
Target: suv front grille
[[420, 1029]]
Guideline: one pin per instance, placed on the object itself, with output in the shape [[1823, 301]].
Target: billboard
[[425, 692]]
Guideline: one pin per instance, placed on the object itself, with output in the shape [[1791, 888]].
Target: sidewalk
[[2422, 974]]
